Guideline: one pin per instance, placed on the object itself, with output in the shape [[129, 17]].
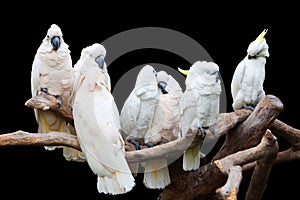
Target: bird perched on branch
[[199, 105], [97, 123], [150, 116], [52, 73], [249, 75]]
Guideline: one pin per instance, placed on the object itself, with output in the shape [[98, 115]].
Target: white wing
[[137, 112], [97, 125], [237, 78]]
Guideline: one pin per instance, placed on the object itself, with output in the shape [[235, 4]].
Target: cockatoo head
[[207, 71], [93, 57], [259, 47], [97, 52], [162, 80], [54, 37], [146, 75]]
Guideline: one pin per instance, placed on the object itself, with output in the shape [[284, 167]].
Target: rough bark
[[250, 131], [243, 136], [249, 146], [45, 101], [22, 138]]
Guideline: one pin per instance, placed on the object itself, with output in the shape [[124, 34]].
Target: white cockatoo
[[199, 105], [52, 73], [249, 75], [150, 116], [164, 128], [97, 123], [165, 125], [138, 109]]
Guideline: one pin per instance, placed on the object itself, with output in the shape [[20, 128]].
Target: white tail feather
[[191, 159], [119, 183], [156, 174]]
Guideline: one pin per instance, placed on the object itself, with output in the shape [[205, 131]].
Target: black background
[[32, 172]]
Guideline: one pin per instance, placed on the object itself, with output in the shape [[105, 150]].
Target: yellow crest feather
[[184, 72], [262, 35]]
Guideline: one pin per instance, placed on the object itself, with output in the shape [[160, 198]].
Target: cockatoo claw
[[136, 144], [45, 90], [148, 144], [59, 101], [249, 107], [45, 108], [203, 132]]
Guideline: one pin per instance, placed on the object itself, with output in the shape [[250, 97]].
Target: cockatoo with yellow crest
[[199, 105], [52, 73], [150, 116], [97, 123], [249, 75]]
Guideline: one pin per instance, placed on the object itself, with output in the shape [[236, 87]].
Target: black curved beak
[[217, 76], [162, 85], [55, 42], [100, 61]]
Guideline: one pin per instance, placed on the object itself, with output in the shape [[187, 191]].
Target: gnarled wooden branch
[[22, 138], [46, 102], [262, 169], [173, 148], [243, 127], [243, 136], [250, 131], [265, 154], [249, 155], [292, 135]]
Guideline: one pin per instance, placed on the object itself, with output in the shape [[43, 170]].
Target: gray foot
[[136, 144], [249, 107], [203, 132]]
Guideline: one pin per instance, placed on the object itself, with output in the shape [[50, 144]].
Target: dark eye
[[155, 72]]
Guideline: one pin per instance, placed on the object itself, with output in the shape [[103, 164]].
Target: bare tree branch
[[265, 153], [262, 170], [173, 148], [287, 132], [247, 134], [248, 155], [250, 131], [22, 138], [230, 189], [248, 145], [292, 135], [227, 121], [46, 102]]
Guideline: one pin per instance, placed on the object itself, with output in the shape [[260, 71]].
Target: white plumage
[[52, 72], [248, 78], [97, 123], [199, 105], [150, 115]]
